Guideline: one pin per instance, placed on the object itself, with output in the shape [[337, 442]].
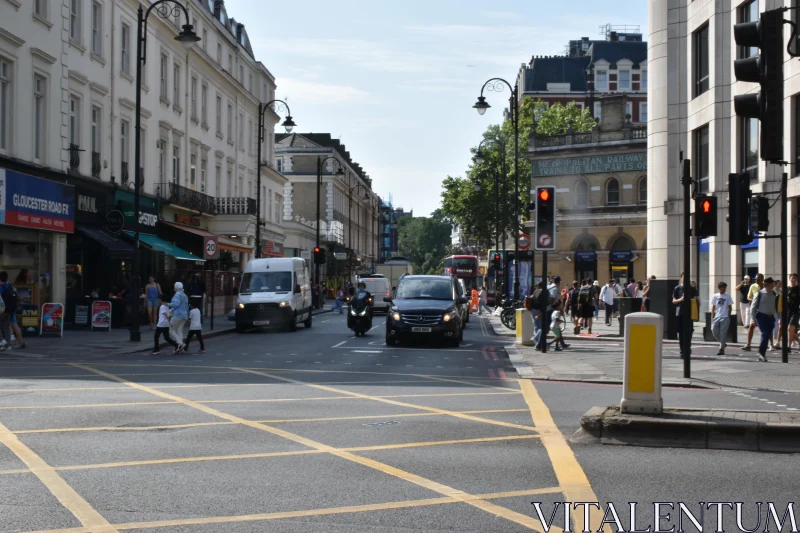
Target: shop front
[[147, 221], [36, 215], [621, 265], [585, 265]]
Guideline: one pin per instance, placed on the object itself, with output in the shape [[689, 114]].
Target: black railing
[[184, 197], [95, 164], [74, 157], [124, 173], [582, 138], [235, 206]]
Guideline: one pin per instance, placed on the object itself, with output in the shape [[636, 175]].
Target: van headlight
[[283, 304], [447, 317], [240, 305], [396, 317]]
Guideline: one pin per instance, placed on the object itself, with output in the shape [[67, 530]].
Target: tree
[[424, 241]]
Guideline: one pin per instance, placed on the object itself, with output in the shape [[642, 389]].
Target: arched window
[[623, 243], [643, 190], [581, 194], [612, 192]]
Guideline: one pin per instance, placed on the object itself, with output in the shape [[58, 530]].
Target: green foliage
[[425, 241], [556, 119]]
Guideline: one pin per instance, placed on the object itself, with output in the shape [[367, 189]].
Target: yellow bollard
[[524, 327], [641, 382]]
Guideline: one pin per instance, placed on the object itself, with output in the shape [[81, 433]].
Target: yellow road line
[[571, 477], [448, 380], [63, 492], [68, 389], [202, 459], [269, 421], [394, 402], [376, 465], [123, 404], [408, 504]]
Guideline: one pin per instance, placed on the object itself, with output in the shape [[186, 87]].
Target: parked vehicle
[[380, 287], [274, 293], [426, 307]]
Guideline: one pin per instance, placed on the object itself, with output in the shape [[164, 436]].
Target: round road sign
[[545, 240], [523, 241], [211, 248]]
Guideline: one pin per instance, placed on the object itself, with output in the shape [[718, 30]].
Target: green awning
[[160, 245]]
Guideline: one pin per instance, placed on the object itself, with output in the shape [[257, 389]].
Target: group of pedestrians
[[172, 317]]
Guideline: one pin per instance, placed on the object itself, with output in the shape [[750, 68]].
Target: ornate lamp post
[[350, 218], [166, 9], [339, 172]]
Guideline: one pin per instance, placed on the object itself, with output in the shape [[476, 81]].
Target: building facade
[[601, 191], [692, 86], [67, 113]]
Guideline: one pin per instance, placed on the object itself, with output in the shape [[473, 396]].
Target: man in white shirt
[[721, 305], [607, 296]]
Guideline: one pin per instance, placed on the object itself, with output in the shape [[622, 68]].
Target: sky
[[395, 81]]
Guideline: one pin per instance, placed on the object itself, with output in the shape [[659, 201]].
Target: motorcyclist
[[360, 299]]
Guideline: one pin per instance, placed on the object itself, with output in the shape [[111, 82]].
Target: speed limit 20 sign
[[211, 248]]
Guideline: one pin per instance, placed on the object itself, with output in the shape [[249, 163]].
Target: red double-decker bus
[[464, 267]]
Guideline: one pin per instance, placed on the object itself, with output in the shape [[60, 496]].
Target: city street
[[320, 431]]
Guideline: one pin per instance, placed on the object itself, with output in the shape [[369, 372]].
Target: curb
[[607, 425]]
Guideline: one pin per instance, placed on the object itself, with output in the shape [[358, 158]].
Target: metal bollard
[[524, 327], [641, 385]]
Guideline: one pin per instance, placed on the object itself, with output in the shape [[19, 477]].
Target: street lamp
[[339, 172], [350, 218], [288, 124], [497, 84], [187, 37]]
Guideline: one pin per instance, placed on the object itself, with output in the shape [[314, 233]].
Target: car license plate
[[261, 323], [421, 330]]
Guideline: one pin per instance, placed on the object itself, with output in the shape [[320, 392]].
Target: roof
[[236, 29], [301, 140], [614, 51]]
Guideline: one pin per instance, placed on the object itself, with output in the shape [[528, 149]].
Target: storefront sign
[[28, 317], [115, 221], [101, 314], [620, 256], [87, 204], [590, 165], [81, 315], [189, 221], [32, 202], [148, 212], [585, 256], [273, 248], [52, 319]]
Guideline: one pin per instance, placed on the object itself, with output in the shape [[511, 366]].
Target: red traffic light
[[544, 195], [316, 250], [497, 257], [706, 206]]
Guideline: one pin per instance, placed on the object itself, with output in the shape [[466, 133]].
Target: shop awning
[[160, 245], [189, 229], [112, 243], [233, 246]]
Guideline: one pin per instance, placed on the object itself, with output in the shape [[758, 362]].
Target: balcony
[[74, 157], [235, 206], [629, 133], [95, 164], [184, 197], [124, 173]]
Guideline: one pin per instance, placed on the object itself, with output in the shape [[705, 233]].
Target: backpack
[[537, 299], [585, 295], [10, 299]]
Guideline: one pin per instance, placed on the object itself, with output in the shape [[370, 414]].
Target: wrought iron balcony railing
[[124, 173], [74, 157], [235, 206], [185, 197], [95, 164]]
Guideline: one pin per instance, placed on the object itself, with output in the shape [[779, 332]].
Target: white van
[[380, 287], [274, 293]]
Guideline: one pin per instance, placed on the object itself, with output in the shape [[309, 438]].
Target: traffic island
[[713, 429]]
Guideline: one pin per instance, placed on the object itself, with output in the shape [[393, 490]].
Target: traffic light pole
[[686, 305], [543, 305], [785, 267]]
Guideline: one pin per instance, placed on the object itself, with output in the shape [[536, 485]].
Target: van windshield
[[266, 282]]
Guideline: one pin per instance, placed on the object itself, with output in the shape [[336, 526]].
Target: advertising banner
[[101, 314], [52, 319], [37, 203], [28, 318], [81, 315]]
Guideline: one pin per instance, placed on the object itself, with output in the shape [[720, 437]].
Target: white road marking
[[339, 344], [367, 351], [466, 345]]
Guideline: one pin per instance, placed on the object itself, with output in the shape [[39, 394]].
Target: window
[[194, 98], [218, 180], [241, 75], [39, 102], [176, 164], [748, 151], [219, 115], [203, 164], [624, 80], [75, 20], [612, 192], [40, 8], [582, 194], [230, 122], [279, 163], [241, 130], [598, 110], [164, 63], [601, 80], [124, 130], [643, 112], [250, 136], [204, 39], [643, 190], [748, 12], [192, 170], [96, 130], [230, 183], [97, 29], [204, 104], [700, 55], [278, 204], [644, 80], [629, 109], [269, 205], [74, 120], [5, 103], [125, 49], [176, 85], [700, 154], [219, 54], [230, 63]]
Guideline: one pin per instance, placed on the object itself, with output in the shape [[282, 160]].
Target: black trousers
[[165, 333], [195, 333], [609, 311]]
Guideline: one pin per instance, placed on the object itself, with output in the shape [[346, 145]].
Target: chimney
[[218, 5], [612, 36]]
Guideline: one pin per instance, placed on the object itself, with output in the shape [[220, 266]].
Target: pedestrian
[[162, 326], [553, 296], [721, 306], [557, 326], [777, 331], [195, 329], [618, 292], [536, 314], [197, 291], [571, 305], [763, 306], [339, 304], [96, 293], [751, 324], [474, 300], [8, 307], [608, 296], [180, 314], [153, 292], [587, 296], [793, 303], [482, 301], [632, 288], [596, 286], [743, 289], [646, 294], [677, 299]]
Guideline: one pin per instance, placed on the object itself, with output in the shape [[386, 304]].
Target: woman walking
[[180, 313], [153, 292]]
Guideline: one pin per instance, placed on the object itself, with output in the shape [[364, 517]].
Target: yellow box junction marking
[[642, 363]]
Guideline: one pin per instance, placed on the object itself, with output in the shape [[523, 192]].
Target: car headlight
[[447, 317], [283, 304], [241, 305], [396, 317]]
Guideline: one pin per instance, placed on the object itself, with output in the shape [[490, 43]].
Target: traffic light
[[319, 256], [497, 262], [705, 216], [545, 234], [739, 209], [766, 68], [759, 214]]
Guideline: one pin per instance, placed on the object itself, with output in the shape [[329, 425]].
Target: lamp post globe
[[187, 37], [479, 159], [289, 124], [481, 105]]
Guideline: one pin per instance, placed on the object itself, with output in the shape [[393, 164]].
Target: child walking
[[557, 326], [195, 328], [162, 326]]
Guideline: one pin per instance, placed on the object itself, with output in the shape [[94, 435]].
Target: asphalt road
[[320, 431]]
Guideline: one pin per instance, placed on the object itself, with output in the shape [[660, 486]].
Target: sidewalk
[[92, 344]]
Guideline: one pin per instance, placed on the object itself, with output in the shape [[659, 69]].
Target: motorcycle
[[359, 314]]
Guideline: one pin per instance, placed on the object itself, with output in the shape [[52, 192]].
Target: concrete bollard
[[524, 327], [641, 385]]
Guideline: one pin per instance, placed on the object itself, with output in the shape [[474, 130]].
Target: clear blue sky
[[395, 81]]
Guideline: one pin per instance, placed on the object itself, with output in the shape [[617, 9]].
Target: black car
[[425, 307]]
